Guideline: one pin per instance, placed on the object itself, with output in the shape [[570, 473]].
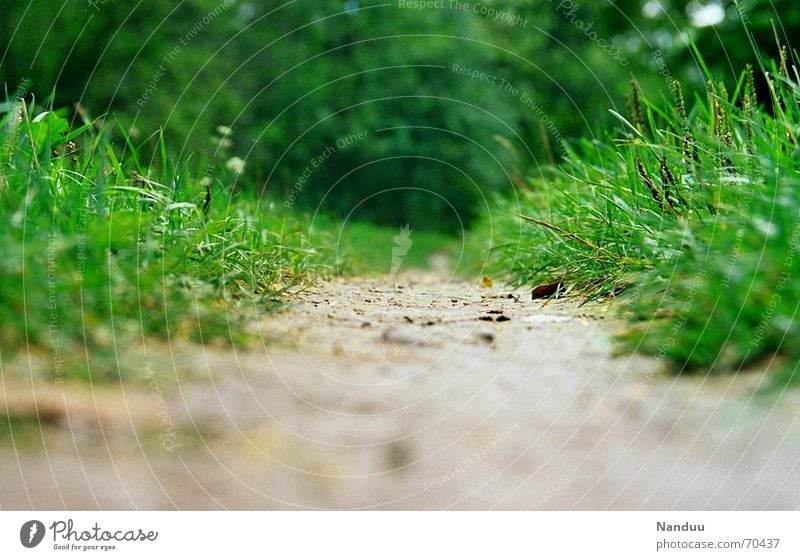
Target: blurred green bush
[[296, 80]]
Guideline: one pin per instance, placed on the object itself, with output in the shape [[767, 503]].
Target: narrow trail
[[419, 394]]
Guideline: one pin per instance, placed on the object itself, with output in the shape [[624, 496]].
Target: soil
[[409, 393]]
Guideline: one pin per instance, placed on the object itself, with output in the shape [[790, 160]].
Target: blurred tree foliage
[[298, 81]]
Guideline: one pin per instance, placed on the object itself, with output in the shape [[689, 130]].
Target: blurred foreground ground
[[416, 394]]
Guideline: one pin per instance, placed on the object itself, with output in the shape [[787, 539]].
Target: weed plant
[[692, 214]]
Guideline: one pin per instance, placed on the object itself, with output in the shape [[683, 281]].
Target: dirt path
[[427, 394]]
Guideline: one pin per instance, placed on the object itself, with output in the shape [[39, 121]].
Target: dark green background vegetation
[[292, 78]]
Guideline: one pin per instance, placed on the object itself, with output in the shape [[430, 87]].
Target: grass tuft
[[693, 214], [100, 249]]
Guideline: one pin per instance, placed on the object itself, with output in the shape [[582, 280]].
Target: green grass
[[369, 249], [689, 210], [691, 214], [102, 248]]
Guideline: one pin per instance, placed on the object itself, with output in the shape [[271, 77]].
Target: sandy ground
[[426, 394]]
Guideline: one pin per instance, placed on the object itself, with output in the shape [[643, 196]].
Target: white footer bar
[[400, 535]]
